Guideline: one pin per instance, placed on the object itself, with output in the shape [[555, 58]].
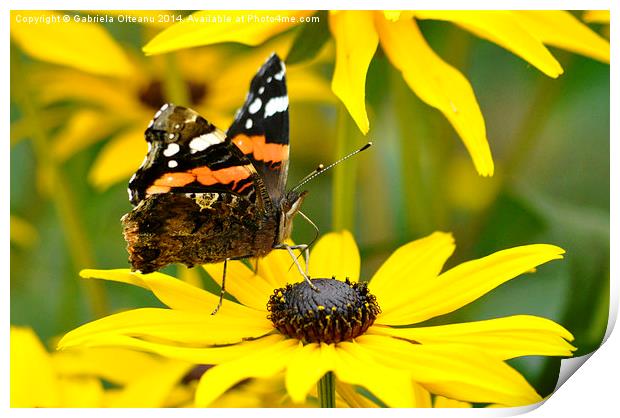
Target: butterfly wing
[[187, 154], [261, 127]]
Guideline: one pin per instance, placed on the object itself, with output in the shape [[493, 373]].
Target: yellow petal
[[443, 402], [596, 16], [33, 380], [116, 365], [241, 26], [152, 388], [352, 398], [467, 282], [23, 233], [85, 46], [454, 370], [561, 29], [278, 268], [191, 276], [300, 378], [173, 292], [108, 168], [261, 363], [439, 85], [167, 324], [356, 43], [409, 267], [335, 254], [354, 365], [84, 128], [81, 392], [502, 28], [208, 355], [248, 288], [65, 84], [506, 338]]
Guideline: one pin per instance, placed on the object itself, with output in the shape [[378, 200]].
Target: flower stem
[[327, 390], [343, 191]]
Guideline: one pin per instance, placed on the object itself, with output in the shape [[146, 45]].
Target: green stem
[[62, 198], [175, 89], [327, 390], [343, 192]]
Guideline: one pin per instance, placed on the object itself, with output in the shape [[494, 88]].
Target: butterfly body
[[204, 196]]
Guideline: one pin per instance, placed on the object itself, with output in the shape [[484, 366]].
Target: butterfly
[[205, 196]]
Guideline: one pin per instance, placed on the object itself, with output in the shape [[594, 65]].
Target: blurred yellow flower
[[23, 233], [73, 378], [358, 33], [597, 16], [119, 91], [279, 328]]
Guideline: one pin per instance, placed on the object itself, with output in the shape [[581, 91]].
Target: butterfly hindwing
[[261, 127], [187, 154]]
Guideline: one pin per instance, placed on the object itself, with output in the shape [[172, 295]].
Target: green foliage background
[[550, 140]]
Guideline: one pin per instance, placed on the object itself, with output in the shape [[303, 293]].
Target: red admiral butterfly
[[205, 196]]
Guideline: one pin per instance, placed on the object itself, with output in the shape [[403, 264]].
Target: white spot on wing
[[261, 90], [255, 106], [151, 123], [148, 145], [132, 178], [157, 114], [280, 74], [269, 79], [164, 107], [172, 164], [129, 193], [248, 123], [171, 149], [276, 104], [202, 142]]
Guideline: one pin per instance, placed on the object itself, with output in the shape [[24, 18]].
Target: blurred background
[[76, 138]]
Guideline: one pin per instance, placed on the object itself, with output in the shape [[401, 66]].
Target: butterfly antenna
[[321, 169]]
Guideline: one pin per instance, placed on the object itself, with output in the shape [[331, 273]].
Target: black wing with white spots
[[187, 154], [261, 126]]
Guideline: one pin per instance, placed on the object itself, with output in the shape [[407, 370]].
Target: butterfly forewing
[[261, 126]]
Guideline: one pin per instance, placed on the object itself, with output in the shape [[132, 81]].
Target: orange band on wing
[[178, 179], [157, 189], [262, 150], [203, 175]]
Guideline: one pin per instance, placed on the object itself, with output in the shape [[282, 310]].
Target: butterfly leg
[[223, 290], [304, 248]]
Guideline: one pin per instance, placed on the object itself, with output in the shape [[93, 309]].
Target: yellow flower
[[73, 378], [348, 328], [358, 33], [597, 16], [118, 92]]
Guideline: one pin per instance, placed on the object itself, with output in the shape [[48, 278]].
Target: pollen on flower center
[[339, 311]]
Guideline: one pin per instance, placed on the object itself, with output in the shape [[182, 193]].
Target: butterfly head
[[289, 206]]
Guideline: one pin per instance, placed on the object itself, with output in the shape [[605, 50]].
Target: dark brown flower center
[[152, 95], [338, 311]]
